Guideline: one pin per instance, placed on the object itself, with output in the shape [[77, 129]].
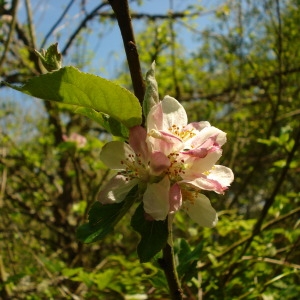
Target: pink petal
[[164, 142], [137, 141], [156, 199], [198, 126], [211, 134], [204, 183], [116, 189], [199, 153], [221, 174], [175, 198], [159, 162], [155, 118]]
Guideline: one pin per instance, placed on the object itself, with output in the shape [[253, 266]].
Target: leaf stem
[[167, 263]]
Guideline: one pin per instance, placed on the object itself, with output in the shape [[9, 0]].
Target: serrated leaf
[[70, 86], [103, 218], [154, 234]]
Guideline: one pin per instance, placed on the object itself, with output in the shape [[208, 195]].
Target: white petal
[[156, 199], [221, 174], [201, 165], [201, 211], [116, 189], [114, 153], [173, 113]]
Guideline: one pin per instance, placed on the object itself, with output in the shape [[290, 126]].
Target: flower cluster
[[172, 162]]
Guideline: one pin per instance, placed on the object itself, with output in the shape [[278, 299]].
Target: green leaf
[[111, 125], [70, 86], [188, 259], [103, 218], [154, 234]]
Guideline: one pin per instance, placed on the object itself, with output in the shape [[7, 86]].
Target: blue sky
[[108, 49]]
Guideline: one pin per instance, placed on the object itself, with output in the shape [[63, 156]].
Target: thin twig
[[12, 27], [81, 26], [57, 23], [30, 24]]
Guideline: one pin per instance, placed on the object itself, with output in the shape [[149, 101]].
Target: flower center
[[134, 168], [184, 135], [177, 167]]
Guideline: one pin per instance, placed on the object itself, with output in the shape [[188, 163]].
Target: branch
[[121, 9], [245, 239], [250, 82], [57, 23], [271, 199], [83, 23], [153, 17]]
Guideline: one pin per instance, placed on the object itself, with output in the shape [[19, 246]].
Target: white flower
[[173, 161]]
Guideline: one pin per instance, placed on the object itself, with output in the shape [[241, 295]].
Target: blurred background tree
[[234, 63]]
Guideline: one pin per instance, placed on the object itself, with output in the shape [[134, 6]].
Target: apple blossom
[[172, 161], [76, 138]]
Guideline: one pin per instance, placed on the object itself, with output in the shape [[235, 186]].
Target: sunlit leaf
[[70, 86]]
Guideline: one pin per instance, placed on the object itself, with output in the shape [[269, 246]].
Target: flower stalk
[[167, 263]]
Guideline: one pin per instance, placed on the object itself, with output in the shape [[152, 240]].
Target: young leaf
[[151, 96], [70, 86], [103, 218], [50, 58], [154, 234]]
